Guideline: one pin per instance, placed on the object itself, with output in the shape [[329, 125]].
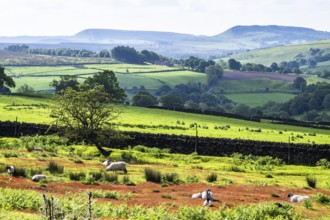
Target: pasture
[[37, 110], [258, 99], [242, 184]]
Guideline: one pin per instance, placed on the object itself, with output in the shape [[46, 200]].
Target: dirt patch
[[151, 194]]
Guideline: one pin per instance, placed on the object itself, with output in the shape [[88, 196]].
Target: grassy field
[[153, 120], [129, 75], [258, 99], [253, 85], [238, 182], [281, 53]]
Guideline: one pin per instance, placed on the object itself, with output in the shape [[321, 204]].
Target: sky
[[198, 17]]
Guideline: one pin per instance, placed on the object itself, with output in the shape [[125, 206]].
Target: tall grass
[[311, 181], [152, 175], [54, 168]]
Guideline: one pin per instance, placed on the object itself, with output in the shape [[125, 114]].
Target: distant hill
[[238, 38], [278, 54]]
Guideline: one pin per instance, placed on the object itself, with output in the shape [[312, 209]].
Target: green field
[[258, 99], [129, 75], [281, 53], [153, 120]]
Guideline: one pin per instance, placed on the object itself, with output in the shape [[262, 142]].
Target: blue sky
[[199, 17]]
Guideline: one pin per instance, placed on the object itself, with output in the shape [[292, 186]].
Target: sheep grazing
[[106, 163], [117, 166], [11, 170], [207, 195], [297, 198], [38, 177], [196, 196]]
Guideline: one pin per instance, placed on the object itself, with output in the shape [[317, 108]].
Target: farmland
[[37, 110], [240, 182]]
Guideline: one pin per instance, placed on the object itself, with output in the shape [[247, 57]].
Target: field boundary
[[302, 154]]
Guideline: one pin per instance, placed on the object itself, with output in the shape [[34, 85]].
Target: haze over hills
[[177, 45]]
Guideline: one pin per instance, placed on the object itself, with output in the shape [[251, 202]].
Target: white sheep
[[116, 166], [106, 163], [207, 195], [196, 196], [297, 198], [11, 170], [38, 177]]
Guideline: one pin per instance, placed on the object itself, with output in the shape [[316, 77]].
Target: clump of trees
[[196, 64], [106, 78], [6, 82]]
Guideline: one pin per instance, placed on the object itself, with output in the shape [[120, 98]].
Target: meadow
[[258, 99], [37, 110], [248, 187]]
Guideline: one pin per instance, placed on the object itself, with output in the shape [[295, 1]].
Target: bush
[[236, 169], [106, 194], [20, 172], [171, 177], [35, 171], [90, 179], [152, 175], [97, 175], [212, 177], [275, 195], [111, 177], [311, 181], [323, 162], [308, 204], [78, 176], [53, 168], [321, 198], [125, 179], [269, 175], [192, 179]]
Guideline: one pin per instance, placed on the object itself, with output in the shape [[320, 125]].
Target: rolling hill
[[177, 45]]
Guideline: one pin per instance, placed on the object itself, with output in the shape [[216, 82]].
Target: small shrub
[[275, 195], [311, 181], [323, 162], [97, 175], [212, 177], [152, 175], [308, 204], [111, 177], [35, 171], [171, 177], [269, 175], [106, 194], [53, 168], [236, 169], [125, 179], [90, 179], [20, 172], [321, 198], [192, 179], [78, 176], [166, 196], [156, 191], [10, 154]]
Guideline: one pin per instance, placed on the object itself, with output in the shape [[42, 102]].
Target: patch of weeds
[[152, 175], [53, 168], [78, 176], [308, 204], [322, 199], [166, 196], [156, 191], [111, 177], [275, 195], [192, 179], [269, 175], [212, 177], [311, 181]]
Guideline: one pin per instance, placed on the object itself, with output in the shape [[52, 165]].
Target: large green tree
[[111, 86], [64, 83], [6, 82], [214, 74], [86, 115], [144, 99]]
